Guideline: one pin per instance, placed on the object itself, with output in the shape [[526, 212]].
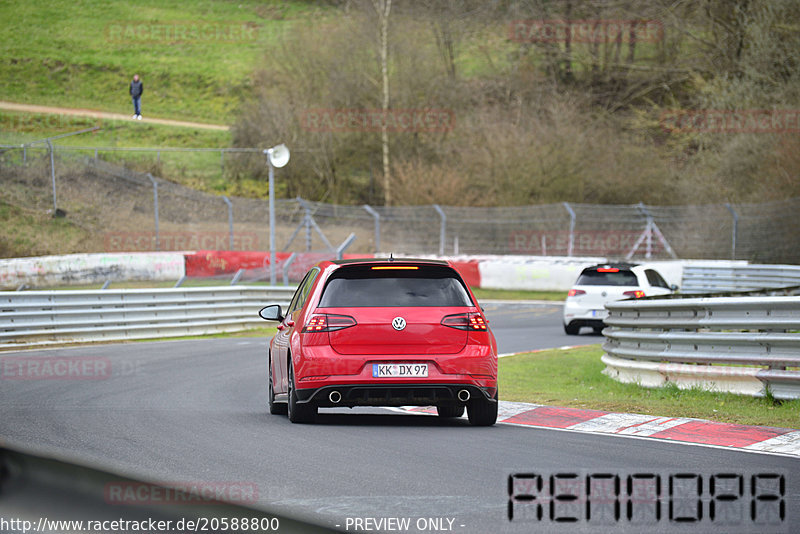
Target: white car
[[597, 285]]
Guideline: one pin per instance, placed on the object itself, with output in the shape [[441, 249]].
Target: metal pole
[[377, 217], [53, 176], [155, 207], [648, 230], [571, 228], [442, 228], [346, 243], [271, 222], [735, 230], [230, 221]]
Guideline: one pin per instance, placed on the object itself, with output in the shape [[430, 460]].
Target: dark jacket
[[136, 89]]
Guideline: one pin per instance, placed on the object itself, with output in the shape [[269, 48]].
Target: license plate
[[599, 313], [394, 370]]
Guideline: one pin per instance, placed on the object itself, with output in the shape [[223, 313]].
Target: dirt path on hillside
[[11, 106]]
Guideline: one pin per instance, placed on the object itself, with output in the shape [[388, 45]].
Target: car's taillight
[[328, 323], [465, 321], [634, 294], [576, 292]]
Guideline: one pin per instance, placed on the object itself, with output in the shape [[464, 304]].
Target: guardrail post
[[735, 230], [377, 217], [155, 207], [286, 266], [230, 221], [571, 228], [442, 228]]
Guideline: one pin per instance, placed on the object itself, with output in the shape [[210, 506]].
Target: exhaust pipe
[[463, 395], [335, 397]]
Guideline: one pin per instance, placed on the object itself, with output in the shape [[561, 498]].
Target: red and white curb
[[784, 441]]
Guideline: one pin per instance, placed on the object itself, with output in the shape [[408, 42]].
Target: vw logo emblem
[[398, 323]]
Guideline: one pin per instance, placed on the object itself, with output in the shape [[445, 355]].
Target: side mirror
[[674, 287], [271, 313]]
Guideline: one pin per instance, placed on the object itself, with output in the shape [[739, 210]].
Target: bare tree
[[383, 7]]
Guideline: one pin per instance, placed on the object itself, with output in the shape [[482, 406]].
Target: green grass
[[253, 332], [200, 170], [518, 294], [80, 53], [574, 378], [29, 232]]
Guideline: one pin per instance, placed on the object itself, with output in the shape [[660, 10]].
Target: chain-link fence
[[120, 210]]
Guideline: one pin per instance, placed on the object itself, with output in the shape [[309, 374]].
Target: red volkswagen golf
[[382, 333]]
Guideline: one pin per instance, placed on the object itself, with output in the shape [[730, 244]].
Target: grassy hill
[[195, 57]]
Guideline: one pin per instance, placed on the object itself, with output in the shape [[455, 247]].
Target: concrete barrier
[[71, 269]]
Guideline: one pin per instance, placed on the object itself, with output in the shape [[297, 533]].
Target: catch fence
[[119, 210]]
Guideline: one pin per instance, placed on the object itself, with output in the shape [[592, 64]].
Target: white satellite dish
[[278, 155]]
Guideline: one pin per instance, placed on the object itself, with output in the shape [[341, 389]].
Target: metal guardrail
[[76, 492], [35, 318], [740, 278], [747, 345]]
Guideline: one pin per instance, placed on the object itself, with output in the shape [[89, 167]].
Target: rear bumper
[[404, 394], [594, 323]]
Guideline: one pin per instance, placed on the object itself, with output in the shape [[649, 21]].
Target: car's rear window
[[394, 286], [621, 277]]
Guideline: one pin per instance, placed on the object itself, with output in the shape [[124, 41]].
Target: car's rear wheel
[[450, 410], [572, 329], [298, 413], [275, 408], [482, 412]]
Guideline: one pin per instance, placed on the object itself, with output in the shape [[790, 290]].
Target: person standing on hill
[[136, 89]]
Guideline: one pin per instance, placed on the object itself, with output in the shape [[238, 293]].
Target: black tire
[[598, 330], [482, 412], [298, 413], [450, 410], [572, 329], [275, 408]]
